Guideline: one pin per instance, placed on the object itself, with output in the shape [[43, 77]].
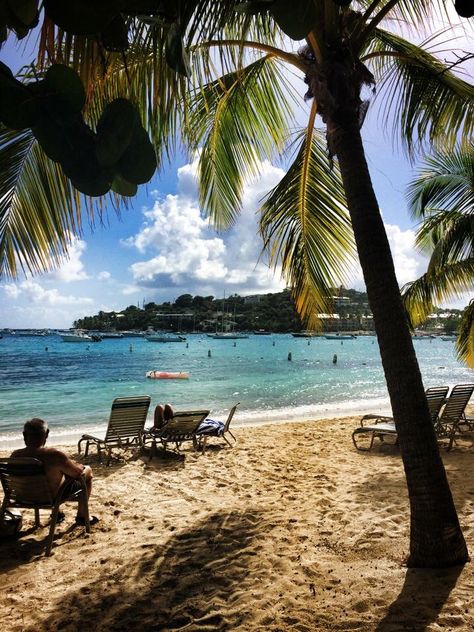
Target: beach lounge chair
[[25, 486], [181, 427], [214, 428], [380, 426], [125, 429], [449, 423]]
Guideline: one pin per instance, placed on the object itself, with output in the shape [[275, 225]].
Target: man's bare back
[[56, 463]]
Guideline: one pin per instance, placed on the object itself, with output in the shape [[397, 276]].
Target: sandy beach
[[292, 529]]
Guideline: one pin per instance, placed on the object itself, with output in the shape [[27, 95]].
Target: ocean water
[[72, 385]]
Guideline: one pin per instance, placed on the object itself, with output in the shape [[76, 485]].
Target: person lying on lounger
[[162, 415], [58, 466]]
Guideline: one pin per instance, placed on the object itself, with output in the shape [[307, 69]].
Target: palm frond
[[427, 102], [446, 180], [306, 227], [239, 120], [437, 286], [39, 210], [465, 341], [451, 239]]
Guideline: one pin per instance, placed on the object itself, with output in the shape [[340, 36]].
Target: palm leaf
[[465, 340], [446, 180], [426, 101], [39, 210], [437, 286], [239, 120], [306, 227]]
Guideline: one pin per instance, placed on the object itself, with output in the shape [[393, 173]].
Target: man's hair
[[35, 428]]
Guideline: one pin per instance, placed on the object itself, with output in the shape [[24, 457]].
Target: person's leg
[[159, 417], [81, 505], [168, 412]]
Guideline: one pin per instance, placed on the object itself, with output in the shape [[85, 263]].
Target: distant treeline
[[270, 312]]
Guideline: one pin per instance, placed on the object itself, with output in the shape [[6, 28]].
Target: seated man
[[58, 466], [162, 415]]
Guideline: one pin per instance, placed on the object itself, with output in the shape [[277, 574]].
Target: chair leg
[[37, 517], [204, 443], [232, 435], [226, 439], [52, 528]]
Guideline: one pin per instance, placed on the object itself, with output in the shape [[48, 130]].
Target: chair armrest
[[375, 419]]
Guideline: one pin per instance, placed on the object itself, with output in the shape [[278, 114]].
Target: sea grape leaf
[[25, 11], [296, 18], [115, 130], [82, 17], [67, 84], [114, 36], [123, 187], [176, 56], [138, 163]]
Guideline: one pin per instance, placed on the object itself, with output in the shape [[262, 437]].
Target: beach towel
[[211, 427]]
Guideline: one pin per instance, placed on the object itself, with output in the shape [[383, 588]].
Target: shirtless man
[[57, 465]]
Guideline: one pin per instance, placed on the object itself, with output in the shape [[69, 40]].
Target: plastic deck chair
[[181, 427], [452, 415], [381, 426], [126, 425], [213, 428], [25, 486]]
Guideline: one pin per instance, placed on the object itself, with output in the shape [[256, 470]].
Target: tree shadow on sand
[[424, 593], [185, 583]]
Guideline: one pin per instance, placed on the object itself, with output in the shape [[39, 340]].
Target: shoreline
[[291, 529], [64, 436]]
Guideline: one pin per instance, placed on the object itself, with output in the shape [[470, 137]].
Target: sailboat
[[226, 335]]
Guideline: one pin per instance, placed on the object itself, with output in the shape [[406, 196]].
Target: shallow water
[[72, 385]]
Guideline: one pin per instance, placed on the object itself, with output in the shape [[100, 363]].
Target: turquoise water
[[72, 385]]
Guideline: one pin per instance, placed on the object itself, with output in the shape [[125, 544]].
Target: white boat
[[76, 336], [110, 334], [164, 338], [449, 338], [227, 335], [340, 337]]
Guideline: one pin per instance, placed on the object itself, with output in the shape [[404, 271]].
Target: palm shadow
[[164, 590], [424, 593]]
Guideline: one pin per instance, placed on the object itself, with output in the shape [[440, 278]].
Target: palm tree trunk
[[436, 539]]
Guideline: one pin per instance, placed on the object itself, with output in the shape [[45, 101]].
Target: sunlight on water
[[72, 385]]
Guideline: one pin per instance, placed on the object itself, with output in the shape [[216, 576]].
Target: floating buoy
[[167, 375]]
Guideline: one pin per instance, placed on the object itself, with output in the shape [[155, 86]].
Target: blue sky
[[161, 246]]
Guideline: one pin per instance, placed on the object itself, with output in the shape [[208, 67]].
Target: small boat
[[340, 337], [449, 338], [261, 332], [164, 338], [227, 335], [77, 336], [423, 337], [110, 334], [167, 375], [304, 334]]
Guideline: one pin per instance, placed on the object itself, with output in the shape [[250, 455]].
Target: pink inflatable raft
[[167, 375]]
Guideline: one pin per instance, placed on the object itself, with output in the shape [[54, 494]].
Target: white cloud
[[409, 263], [187, 253], [130, 289], [73, 268], [104, 275], [34, 292]]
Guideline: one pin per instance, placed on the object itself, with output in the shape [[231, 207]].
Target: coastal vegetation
[[238, 109], [273, 312]]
